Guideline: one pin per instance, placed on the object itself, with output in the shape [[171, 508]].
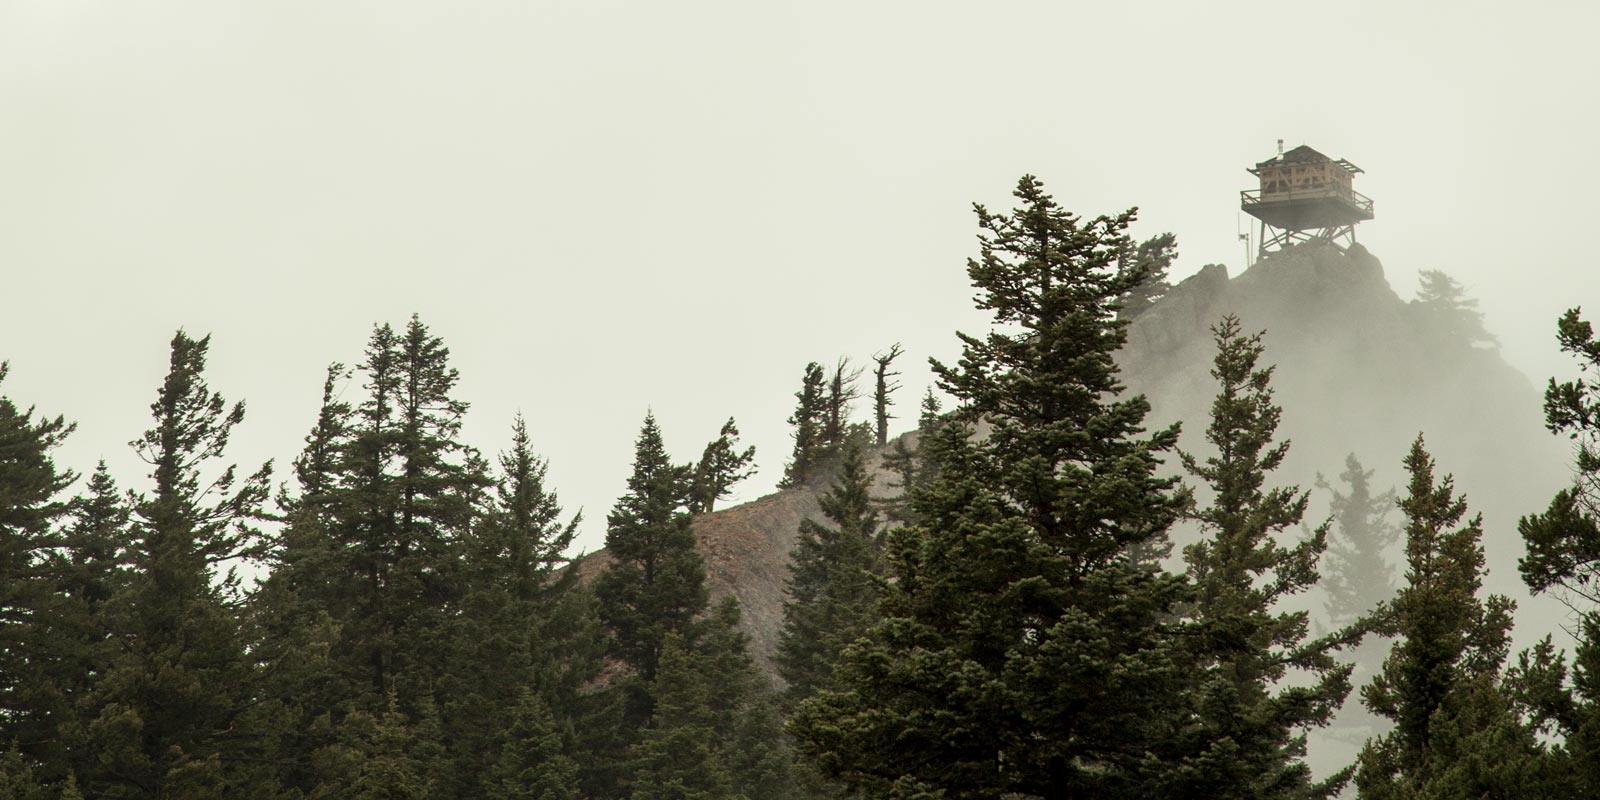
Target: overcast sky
[[605, 207]]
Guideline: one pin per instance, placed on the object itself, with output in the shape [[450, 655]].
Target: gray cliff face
[[1359, 370]]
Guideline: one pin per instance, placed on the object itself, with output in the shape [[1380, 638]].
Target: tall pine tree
[[1025, 649], [832, 595], [716, 733], [1563, 558], [172, 703], [370, 570], [655, 583], [86, 572], [809, 417], [511, 636], [1456, 732], [1359, 575], [652, 589], [404, 496], [1266, 682], [30, 507]]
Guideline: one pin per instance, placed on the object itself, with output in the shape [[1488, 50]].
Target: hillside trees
[[1151, 259], [519, 629], [1024, 651], [722, 464], [1251, 741], [832, 598], [884, 385], [1359, 574], [821, 418], [30, 505], [655, 583], [842, 392], [172, 701], [1456, 731], [1448, 313], [370, 569], [694, 718], [808, 419], [715, 731], [1563, 558]]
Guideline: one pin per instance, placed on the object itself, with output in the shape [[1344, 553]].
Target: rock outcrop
[[1358, 370]]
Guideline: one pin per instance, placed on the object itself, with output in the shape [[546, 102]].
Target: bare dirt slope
[[746, 550]]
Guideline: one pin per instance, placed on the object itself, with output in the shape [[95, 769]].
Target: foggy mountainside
[[524, 400], [1144, 540], [1358, 370]]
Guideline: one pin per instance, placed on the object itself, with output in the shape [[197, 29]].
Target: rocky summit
[[1358, 369]]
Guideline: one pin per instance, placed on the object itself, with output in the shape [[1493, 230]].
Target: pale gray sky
[[608, 206]]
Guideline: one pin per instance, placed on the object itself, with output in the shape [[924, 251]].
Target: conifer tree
[[291, 616], [388, 770], [715, 733], [883, 386], [832, 596], [17, 779], [911, 469], [85, 573], [404, 492], [1359, 575], [1251, 743], [1024, 650], [376, 759], [1153, 259], [679, 758], [1563, 558], [30, 507], [532, 763], [808, 420], [655, 583], [510, 637], [1456, 732], [721, 466], [842, 391], [1449, 314], [519, 549], [370, 569], [171, 704]]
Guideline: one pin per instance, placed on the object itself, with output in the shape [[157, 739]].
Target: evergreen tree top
[[192, 425], [1051, 280], [29, 477]]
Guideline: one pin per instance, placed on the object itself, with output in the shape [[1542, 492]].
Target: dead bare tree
[[885, 386]]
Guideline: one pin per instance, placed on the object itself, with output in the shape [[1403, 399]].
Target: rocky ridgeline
[[1358, 369]]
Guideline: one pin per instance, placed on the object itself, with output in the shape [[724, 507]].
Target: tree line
[[1010, 621]]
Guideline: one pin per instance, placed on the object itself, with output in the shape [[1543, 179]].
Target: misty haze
[[710, 401]]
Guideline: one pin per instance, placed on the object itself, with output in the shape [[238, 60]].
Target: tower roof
[[1304, 154]]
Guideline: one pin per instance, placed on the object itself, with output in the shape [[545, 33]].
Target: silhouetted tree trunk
[[884, 386]]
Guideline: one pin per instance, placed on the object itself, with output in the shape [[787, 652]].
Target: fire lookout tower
[[1305, 196]]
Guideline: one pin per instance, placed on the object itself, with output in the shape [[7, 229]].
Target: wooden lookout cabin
[[1305, 196]]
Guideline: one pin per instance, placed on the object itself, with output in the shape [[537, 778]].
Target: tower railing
[[1252, 197]]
